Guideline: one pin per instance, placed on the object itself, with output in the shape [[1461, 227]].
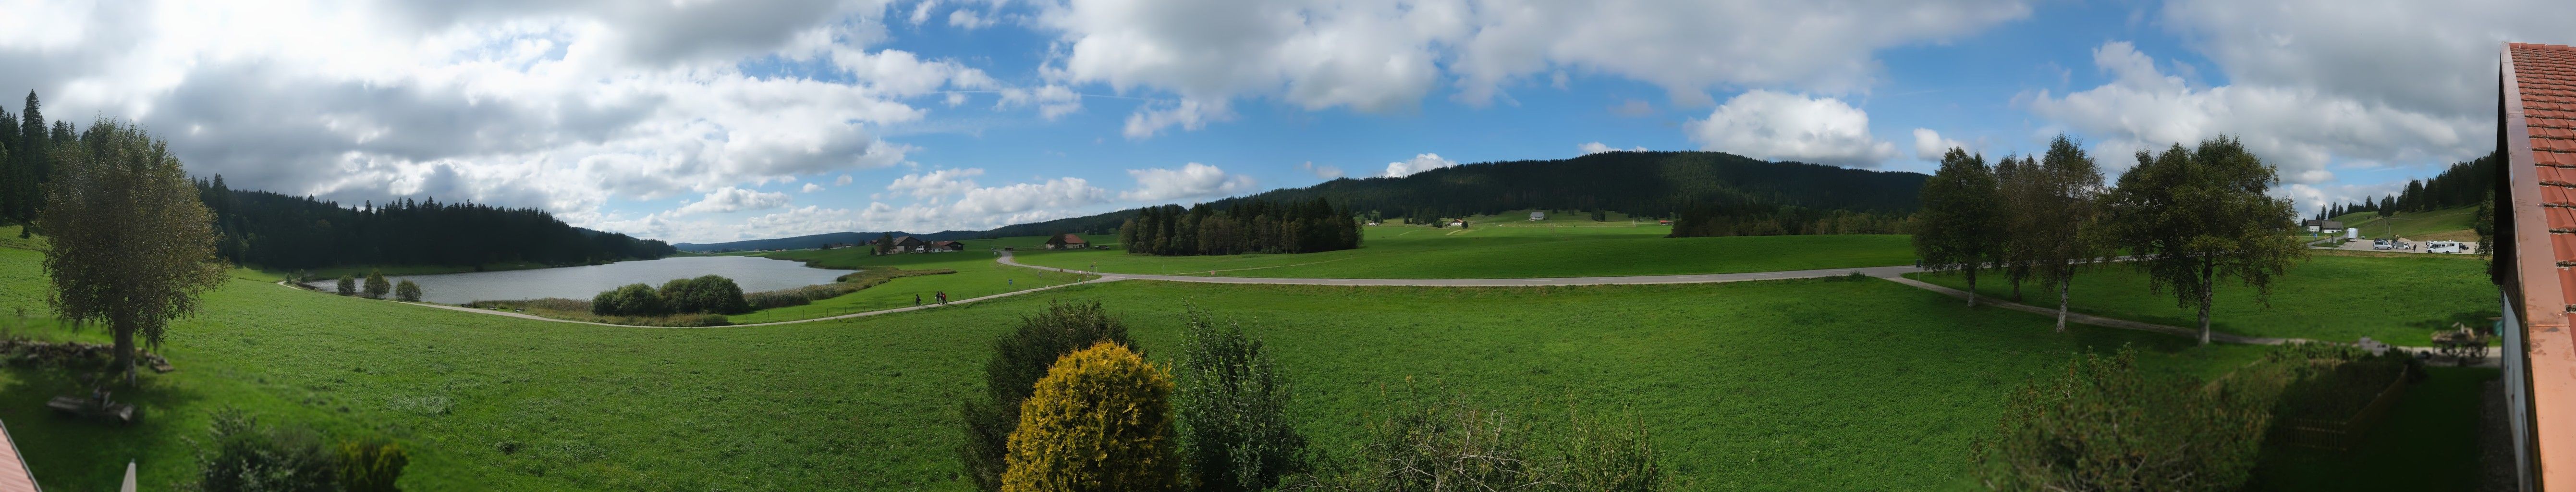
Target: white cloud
[[1326, 172], [1419, 163], [1928, 145], [1189, 114], [731, 199], [1385, 56], [1590, 148], [813, 187], [1777, 126], [1058, 194], [1193, 180], [937, 183], [1053, 101], [843, 181], [2299, 130], [967, 19]]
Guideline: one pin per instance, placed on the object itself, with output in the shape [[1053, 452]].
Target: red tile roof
[[14, 476], [2537, 134]]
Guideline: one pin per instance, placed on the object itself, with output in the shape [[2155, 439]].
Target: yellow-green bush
[[1101, 420]]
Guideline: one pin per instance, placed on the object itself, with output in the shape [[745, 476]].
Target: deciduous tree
[[407, 291], [2194, 216], [1100, 421], [1019, 360], [377, 287], [1960, 227], [2060, 224], [1234, 409], [132, 246]]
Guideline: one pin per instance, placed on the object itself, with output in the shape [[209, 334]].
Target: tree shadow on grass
[[88, 453]]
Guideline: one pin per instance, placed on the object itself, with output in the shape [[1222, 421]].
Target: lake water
[[754, 274]]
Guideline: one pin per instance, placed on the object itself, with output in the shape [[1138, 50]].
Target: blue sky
[[703, 122]]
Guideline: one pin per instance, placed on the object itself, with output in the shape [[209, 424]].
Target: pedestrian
[[916, 299], [943, 298], [1011, 282]]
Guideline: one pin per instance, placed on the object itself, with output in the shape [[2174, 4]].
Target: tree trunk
[[2016, 289], [2061, 304], [2208, 282], [1972, 287], [124, 348]]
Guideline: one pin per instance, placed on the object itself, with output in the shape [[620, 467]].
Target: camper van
[[2453, 247]]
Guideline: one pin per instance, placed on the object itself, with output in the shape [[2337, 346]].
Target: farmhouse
[[1538, 216], [1066, 241], [947, 246], [908, 244], [2325, 226]]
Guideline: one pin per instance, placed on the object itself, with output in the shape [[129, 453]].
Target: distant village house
[[1066, 241], [943, 246]]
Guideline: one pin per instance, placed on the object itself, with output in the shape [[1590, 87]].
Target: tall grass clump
[[1439, 442], [2102, 424], [1019, 360], [1101, 420]]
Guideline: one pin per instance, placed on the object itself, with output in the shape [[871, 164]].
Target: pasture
[[1791, 385], [2396, 298], [1508, 250]]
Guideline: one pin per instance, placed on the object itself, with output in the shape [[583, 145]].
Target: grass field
[[2449, 224], [1507, 250], [2395, 298], [1796, 385]]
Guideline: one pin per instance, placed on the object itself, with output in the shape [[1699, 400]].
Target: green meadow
[[2396, 298], [2449, 224], [1792, 385], [1508, 250]]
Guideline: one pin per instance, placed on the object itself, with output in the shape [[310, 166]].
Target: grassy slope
[[1786, 386], [2425, 443], [1517, 251], [977, 276], [2445, 224], [2393, 298]]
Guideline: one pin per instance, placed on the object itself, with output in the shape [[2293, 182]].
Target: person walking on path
[[943, 298], [916, 299]]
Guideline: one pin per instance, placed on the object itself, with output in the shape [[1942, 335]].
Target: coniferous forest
[[1251, 226], [279, 231], [2463, 184]]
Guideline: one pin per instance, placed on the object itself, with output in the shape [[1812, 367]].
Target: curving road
[[1710, 278]]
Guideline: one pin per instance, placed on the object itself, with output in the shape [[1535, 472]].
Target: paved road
[[1881, 272]]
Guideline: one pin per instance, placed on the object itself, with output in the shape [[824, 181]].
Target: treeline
[[280, 231], [1739, 218], [2464, 184], [1250, 226], [27, 161]]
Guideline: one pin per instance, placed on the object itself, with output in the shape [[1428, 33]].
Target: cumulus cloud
[[1059, 193], [813, 187], [938, 183], [1326, 172], [1590, 148], [1193, 180], [2299, 130], [1778, 126], [1053, 101], [731, 199], [1928, 145], [1386, 56], [843, 181], [1419, 163]]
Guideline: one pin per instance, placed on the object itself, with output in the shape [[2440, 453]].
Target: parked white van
[[2444, 247]]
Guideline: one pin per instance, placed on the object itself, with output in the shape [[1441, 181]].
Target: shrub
[[348, 285], [1019, 360], [2104, 425], [371, 466], [376, 285], [1101, 420], [243, 456], [706, 294], [1439, 442], [631, 300], [1233, 409], [407, 291]]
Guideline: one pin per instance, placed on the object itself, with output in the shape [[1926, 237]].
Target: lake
[[754, 274]]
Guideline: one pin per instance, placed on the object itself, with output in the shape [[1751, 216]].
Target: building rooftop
[[14, 476], [2536, 133]]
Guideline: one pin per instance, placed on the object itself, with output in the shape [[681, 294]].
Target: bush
[[1439, 442], [1100, 420], [2104, 425], [1234, 409], [407, 291], [371, 466], [1019, 361], [348, 285], [706, 294], [244, 456], [376, 285], [631, 300]]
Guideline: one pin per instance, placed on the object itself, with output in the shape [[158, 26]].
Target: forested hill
[[290, 232], [818, 240], [1653, 184]]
